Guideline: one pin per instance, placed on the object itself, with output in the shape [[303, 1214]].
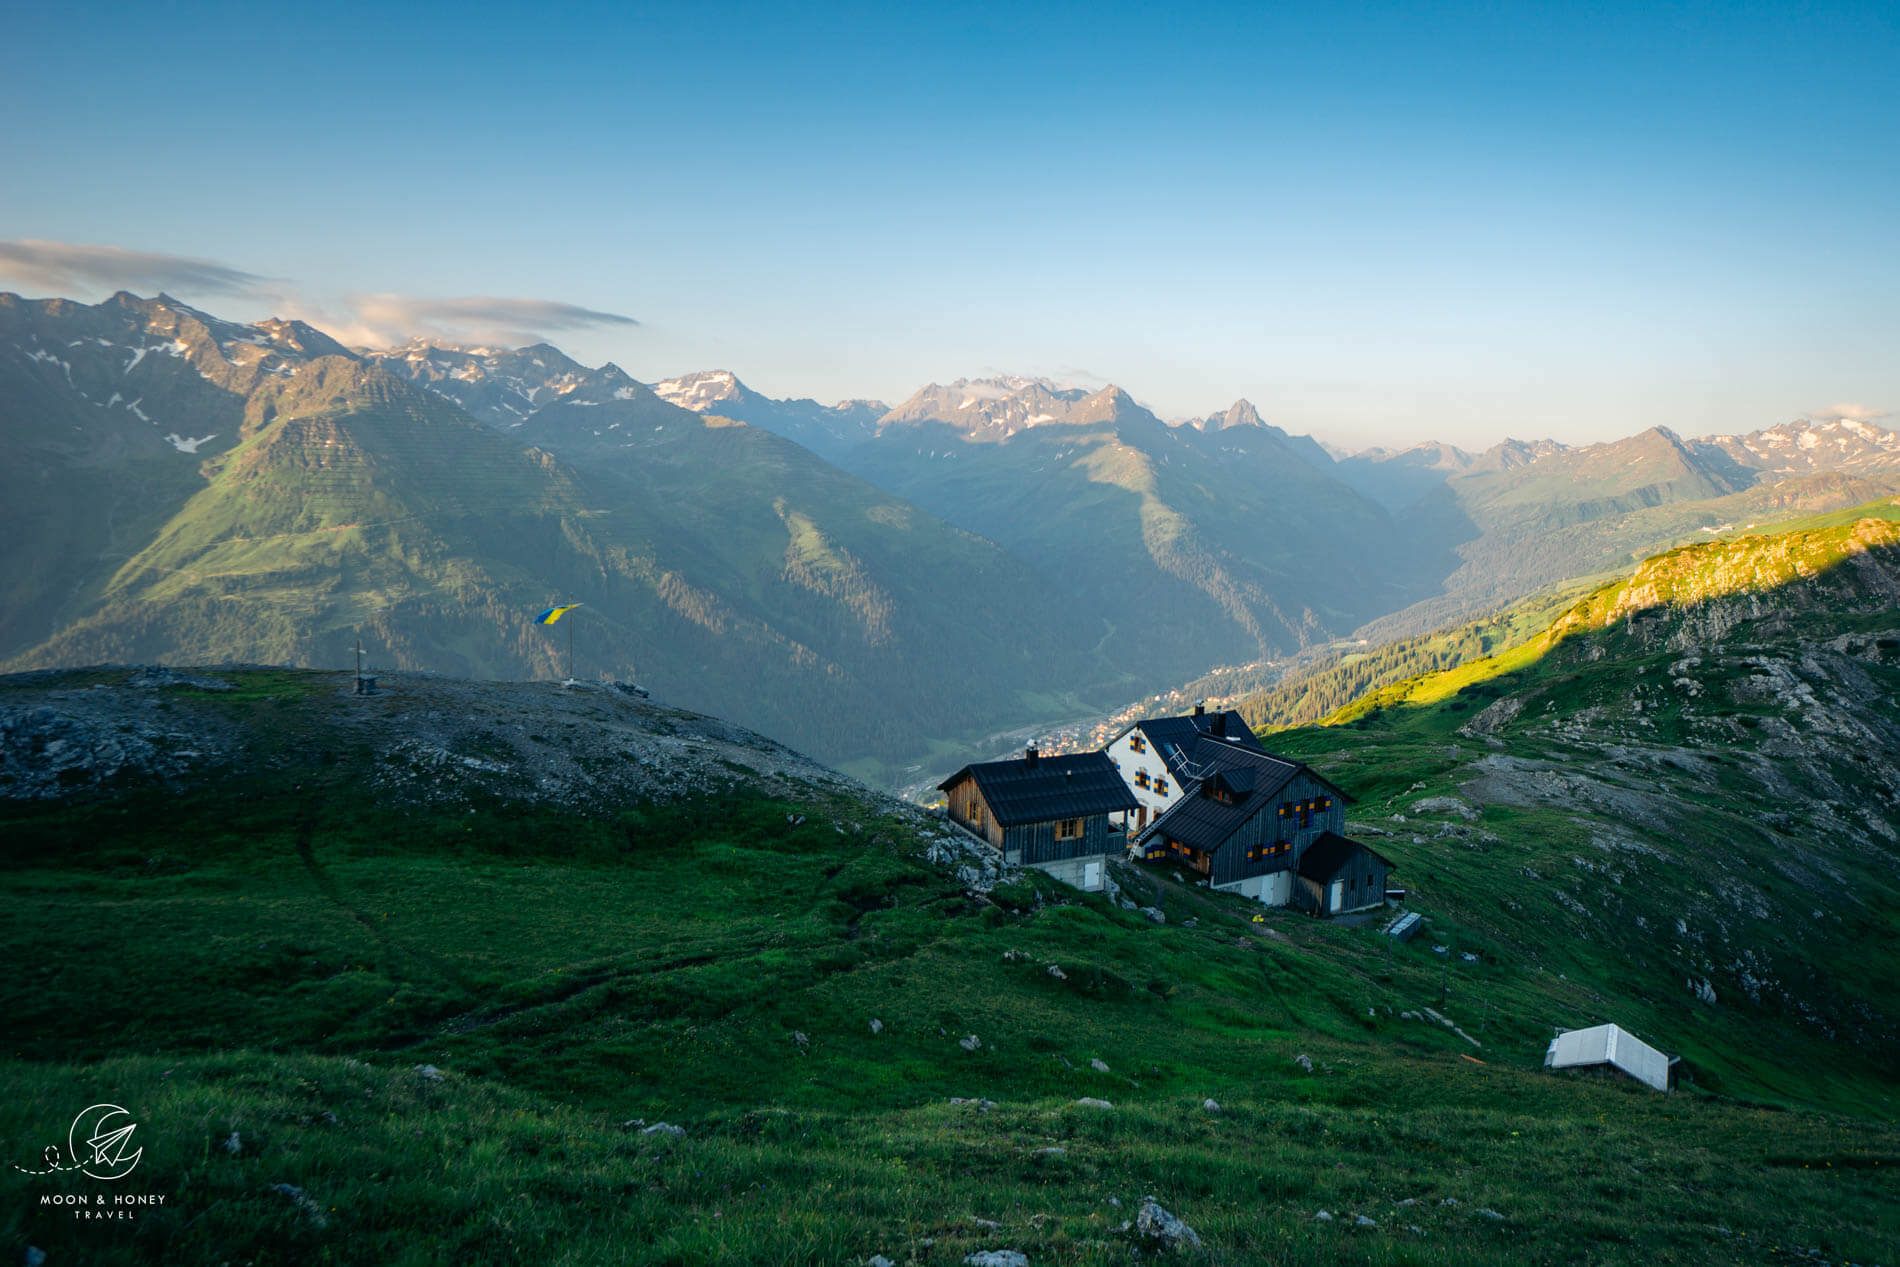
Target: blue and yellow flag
[[553, 614]]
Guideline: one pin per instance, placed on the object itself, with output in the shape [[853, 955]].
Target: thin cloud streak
[[390, 318], [65, 267], [364, 320], [1849, 411]]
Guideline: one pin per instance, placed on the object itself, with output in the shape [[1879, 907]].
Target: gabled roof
[[1173, 737], [1072, 786], [1238, 780], [1205, 823], [1325, 856], [1610, 1045]]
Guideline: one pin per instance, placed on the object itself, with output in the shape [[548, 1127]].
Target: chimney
[[1029, 756], [1220, 725], [1200, 707]]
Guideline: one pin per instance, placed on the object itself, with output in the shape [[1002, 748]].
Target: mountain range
[[883, 586]]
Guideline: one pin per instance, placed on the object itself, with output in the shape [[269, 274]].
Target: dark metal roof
[[1175, 737], [1072, 786], [1205, 823], [1238, 780], [1325, 856]]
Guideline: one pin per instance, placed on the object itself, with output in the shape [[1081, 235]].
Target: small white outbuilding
[[1609, 1045]]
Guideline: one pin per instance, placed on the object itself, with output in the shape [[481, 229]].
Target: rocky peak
[[701, 390]]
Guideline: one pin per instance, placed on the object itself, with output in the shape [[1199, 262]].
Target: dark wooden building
[[1046, 812], [1265, 827], [1337, 874]]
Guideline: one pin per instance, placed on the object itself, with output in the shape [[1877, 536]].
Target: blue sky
[[1380, 223]]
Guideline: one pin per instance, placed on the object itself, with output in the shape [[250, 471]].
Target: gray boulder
[[1164, 1230]]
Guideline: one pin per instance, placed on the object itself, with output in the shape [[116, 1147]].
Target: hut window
[[1068, 828], [1135, 743], [1141, 778], [1161, 787]]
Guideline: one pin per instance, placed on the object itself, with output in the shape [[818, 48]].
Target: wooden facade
[[1357, 883], [1033, 843], [1270, 839], [968, 808], [1029, 843], [1276, 839]]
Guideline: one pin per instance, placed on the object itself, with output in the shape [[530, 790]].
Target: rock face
[[997, 1258], [431, 740], [1164, 1230], [1492, 719], [47, 752]]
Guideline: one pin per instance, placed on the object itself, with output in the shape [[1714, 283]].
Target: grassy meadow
[[274, 957]]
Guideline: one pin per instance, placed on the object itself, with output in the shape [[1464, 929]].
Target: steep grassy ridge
[[1683, 790]]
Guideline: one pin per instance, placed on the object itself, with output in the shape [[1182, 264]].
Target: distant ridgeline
[[868, 582]]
